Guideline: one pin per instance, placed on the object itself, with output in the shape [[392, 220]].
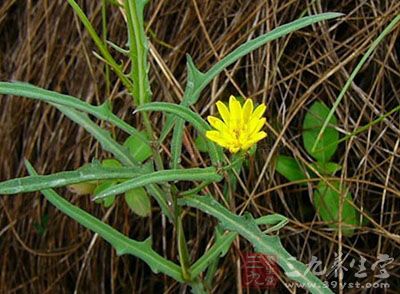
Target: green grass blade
[[102, 112], [270, 245], [186, 114], [92, 172], [121, 243], [190, 174], [109, 144], [364, 59]]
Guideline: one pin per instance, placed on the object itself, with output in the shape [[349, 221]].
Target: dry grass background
[[41, 42]]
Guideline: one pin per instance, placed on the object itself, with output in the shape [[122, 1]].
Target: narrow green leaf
[[92, 172], [176, 143], [271, 245], [120, 242], [326, 202], [248, 47], [189, 174], [289, 168], [138, 49], [32, 92], [138, 201], [194, 82], [312, 125]]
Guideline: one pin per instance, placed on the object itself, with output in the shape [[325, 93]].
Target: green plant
[[328, 193], [136, 167]]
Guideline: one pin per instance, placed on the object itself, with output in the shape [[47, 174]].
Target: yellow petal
[[259, 136], [259, 111], [247, 110], [216, 123], [258, 126], [213, 135], [252, 125], [236, 113], [223, 111], [216, 137], [234, 149]]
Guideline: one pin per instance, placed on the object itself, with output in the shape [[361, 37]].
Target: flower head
[[240, 127]]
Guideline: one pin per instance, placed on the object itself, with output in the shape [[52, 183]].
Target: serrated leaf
[[30, 91], [139, 148], [88, 173], [312, 125], [254, 44], [138, 201], [121, 243], [270, 245], [326, 202]]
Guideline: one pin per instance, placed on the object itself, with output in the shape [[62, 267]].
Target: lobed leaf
[[32, 92], [247, 227], [121, 243], [92, 172]]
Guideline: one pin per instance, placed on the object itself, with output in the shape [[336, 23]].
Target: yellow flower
[[240, 127]]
